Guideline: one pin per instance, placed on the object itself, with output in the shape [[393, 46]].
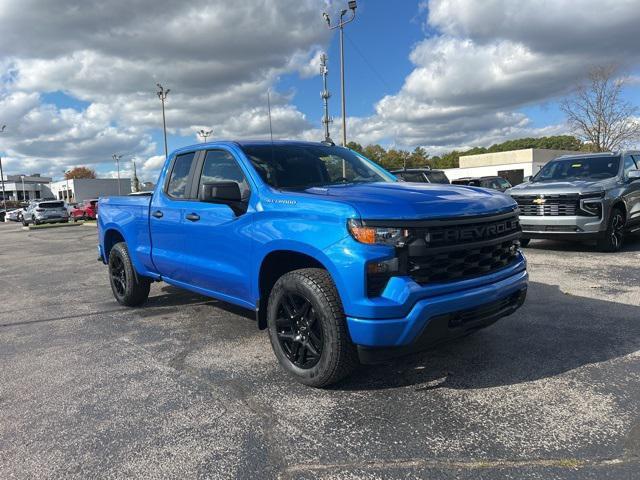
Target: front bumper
[[561, 226], [405, 331]]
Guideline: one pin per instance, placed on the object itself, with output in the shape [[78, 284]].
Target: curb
[[52, 225]]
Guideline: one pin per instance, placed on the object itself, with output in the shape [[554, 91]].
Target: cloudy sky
[[77, 78]]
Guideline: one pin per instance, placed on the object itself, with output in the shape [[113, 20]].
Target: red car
[[85, 211]]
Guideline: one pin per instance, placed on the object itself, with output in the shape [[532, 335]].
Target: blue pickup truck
[[340, 262]]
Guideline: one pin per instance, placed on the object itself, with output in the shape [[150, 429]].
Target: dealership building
[[22, 188], [79, 189], [513, 165]]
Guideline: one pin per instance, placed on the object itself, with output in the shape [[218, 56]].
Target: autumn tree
[[80, 172], [599, 115]]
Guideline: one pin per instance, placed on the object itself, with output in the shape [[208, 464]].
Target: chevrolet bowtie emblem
[[539, 201]]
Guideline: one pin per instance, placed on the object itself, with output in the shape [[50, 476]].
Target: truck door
[[632, 190], [166, 217], [218, 245]]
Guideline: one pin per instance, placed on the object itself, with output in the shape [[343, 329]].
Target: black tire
[[320, 322], [35, 222], [24, 222], [129, 288], [613, 238], [524, 242]]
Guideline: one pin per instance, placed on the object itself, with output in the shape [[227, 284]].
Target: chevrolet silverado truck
[[592, 197], [340, 262]]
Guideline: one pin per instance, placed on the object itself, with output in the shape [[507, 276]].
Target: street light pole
[[352, 6], [24, 196], [4, 195], [205, 134], [162, 95], [117, 160]]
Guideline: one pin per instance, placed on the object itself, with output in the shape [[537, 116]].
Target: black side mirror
[[227, 193], [220, 192]]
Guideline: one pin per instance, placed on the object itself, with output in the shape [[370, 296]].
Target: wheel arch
[[619, 203], [111, 237], [277, 263]]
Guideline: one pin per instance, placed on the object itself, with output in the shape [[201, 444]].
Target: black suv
[[495, 183], [421, 175]]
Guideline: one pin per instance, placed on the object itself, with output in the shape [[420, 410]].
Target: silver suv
[[49, 211], [582, 197]]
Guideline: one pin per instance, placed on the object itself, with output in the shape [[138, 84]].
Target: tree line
[[393, 158]]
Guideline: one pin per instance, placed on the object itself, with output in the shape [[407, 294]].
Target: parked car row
[[51, 211]]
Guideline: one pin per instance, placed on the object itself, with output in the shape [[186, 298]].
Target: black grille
[[550, 228], [462, 263], [553, 206]]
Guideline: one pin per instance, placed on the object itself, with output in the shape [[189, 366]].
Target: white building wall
[[86, 188], [489, 170]]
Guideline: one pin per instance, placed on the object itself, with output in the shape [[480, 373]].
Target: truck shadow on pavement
[[551, 334]]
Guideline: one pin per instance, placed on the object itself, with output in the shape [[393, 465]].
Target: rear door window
[[179, 178]]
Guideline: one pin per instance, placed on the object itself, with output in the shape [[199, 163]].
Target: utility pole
[[352, 6], [4, 195], [325, 95], [117, 158], [24, 197], [162, 95], [66, 195], [204, 134]]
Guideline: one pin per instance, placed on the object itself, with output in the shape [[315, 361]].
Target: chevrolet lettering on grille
[[472, 233]]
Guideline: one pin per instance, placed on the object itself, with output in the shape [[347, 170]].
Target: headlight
[[394, 237], [591, 203]]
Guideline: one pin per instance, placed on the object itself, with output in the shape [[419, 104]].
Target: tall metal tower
[[325, 95], [135, 182]]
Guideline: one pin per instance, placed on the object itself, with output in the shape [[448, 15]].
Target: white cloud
[[218, 58], [490, 59]]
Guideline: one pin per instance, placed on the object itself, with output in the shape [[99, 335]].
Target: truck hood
[[413, 201], [562, 187]]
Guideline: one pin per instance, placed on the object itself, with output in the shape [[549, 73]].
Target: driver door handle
[[157, 214], [193, 217]]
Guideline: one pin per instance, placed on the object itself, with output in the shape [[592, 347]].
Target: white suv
[[50, 211]]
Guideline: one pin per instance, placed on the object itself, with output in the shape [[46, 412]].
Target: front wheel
[[307, 328], [613, 238], [128, 287]]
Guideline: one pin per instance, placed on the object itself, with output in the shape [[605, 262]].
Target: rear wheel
[[35, 220], [613, 238], [307, 328], [128, 287]]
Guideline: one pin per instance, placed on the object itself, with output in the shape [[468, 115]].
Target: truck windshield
[[304, 166], [588, 168], [437, 177]]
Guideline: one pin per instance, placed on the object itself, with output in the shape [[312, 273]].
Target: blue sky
[[441, 74]]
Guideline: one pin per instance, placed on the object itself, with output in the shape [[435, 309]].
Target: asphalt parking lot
[[188, 387]]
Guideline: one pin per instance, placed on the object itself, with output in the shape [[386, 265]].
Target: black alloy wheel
[[613, 239], [298, 330], [128, 287], [617, 230], [118, 275], [308, 329]]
